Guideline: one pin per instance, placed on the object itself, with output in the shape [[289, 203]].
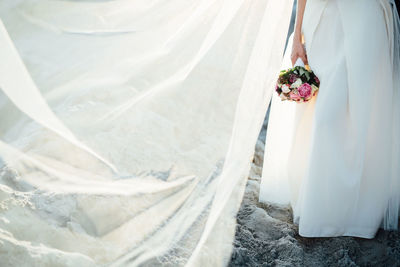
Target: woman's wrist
[[297, 37]]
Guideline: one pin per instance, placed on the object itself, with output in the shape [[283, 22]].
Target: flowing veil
[[128, 126]]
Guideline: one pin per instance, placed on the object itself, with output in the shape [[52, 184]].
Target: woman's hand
[[298, 51]]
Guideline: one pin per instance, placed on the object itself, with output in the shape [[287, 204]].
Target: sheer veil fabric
[[128, 126], [336, 159]]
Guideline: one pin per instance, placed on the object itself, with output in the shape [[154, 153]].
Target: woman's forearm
[[298, 50], [301, 5]]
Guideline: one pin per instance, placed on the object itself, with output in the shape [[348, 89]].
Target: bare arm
[[298, 50]]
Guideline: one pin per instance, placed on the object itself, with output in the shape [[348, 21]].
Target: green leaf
[[307, 75]]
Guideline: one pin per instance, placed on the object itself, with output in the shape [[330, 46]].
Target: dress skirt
[[332, 158]]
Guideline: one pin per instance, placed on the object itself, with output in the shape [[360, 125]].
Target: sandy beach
[[266, 235]]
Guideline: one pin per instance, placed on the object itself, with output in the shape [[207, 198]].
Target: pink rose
[[294, 96], [305, 90]]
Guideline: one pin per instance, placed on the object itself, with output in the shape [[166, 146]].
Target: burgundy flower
[[293, 78]]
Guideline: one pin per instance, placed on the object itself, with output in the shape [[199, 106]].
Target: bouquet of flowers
[[297, 84]]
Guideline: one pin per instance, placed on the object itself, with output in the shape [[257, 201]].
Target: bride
[[336, 158], [128, 127]]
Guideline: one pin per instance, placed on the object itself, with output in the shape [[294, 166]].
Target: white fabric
[[129, 126], [336, 158], [299, 62]]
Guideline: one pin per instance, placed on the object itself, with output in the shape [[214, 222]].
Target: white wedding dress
[[335, 160]]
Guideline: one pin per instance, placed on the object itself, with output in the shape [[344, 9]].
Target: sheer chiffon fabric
[[335, 159], [128, 126]]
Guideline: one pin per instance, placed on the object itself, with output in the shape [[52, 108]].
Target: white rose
[[297, 83], [314, 88], [285, 89]]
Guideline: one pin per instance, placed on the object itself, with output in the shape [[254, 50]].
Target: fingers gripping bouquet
[[297, 84]]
